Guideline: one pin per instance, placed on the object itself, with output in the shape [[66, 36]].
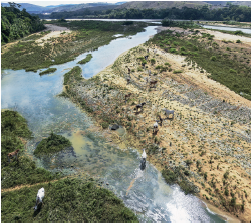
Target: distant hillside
[[224, 3], [29, 7], [160, 4]]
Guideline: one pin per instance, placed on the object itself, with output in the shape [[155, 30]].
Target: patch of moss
[[54, 143]]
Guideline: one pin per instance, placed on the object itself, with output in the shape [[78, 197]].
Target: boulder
[[114, 127]]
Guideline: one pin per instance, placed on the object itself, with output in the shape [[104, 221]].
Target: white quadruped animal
[[155, 125], [144, 154], [40, 197]]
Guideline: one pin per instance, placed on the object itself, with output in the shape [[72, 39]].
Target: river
[[145, 192]]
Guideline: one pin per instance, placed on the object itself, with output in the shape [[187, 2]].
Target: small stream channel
[[145, 192]]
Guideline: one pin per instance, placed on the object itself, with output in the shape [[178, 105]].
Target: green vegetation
[[16, 24], [178, 176], [86, 60], [54, 143], [86, 36], [75, 73], [48, 71], [230, 69], [233, 12], [66, 200], [23, 170]]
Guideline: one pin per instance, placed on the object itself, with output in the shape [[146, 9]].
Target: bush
[[54, 143], [238, 32], [173, 50], [238, 41], [153, 61], [213, 58], [177, 71], [104, 125], [232, 71]]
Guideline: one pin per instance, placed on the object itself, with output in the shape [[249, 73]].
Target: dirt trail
[[28, 185]]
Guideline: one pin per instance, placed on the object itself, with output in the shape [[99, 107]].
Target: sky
[[58, 2]]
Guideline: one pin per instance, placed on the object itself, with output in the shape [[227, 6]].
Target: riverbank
[[212, 148]]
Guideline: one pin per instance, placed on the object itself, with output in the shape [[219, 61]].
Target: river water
[[227, 28], [145, 192]]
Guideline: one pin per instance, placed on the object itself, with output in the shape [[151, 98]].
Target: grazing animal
[[144, 159], [143, 64], [40, 197], [129, 70], [155, 127], [13, 154], [139, 106], [167, 112], [127, 96], [146, 57], [161, 120], [153, 83], [147, 50]]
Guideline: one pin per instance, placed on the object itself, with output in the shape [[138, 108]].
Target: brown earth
[[219, 142]]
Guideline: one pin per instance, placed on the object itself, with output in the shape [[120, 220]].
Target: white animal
[[155, 126], [40, 197], [144, 154]]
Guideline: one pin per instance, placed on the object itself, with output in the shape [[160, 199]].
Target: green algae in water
[[54, 143]]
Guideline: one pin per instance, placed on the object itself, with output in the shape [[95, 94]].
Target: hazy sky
[[58, 2]]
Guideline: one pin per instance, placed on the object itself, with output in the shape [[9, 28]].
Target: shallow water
[[227, 28], [145, 192]]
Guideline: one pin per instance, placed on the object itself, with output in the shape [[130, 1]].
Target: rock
[[114, 127]]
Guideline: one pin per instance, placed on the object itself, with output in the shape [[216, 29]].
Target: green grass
[[86, 59], [66, 200], [23, 171], [48, 71], [75, 73], [212, 58], [54, 143], [172, 176], [89, 35]]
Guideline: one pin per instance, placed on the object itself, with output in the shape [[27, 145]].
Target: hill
[[160, 4]]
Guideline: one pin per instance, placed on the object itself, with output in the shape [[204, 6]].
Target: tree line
[[16, 23], [231, 12]]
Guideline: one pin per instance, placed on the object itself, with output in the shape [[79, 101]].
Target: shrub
[[153, 61], [238, 32], [182, 48], [232, 71], [104, 125], [173, 50], [54, 143], [213, 58], [177, 71], [238, 41]]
